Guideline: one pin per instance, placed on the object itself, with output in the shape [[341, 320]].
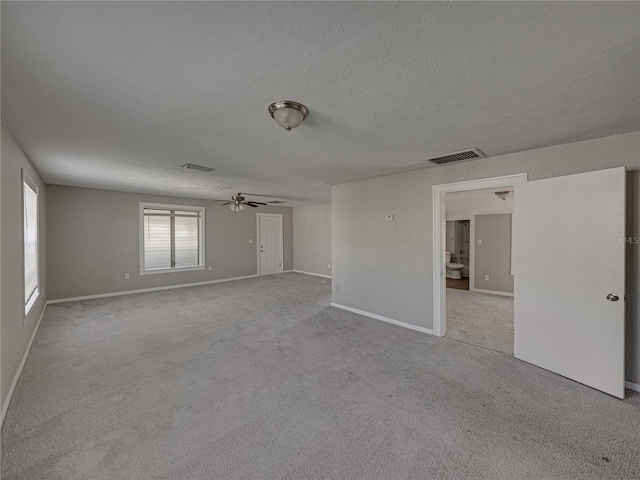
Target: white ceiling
[[118, 95], [463, 205]]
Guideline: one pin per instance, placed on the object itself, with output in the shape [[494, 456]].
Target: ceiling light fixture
[[288, 114], [503, 195], [238, 202]]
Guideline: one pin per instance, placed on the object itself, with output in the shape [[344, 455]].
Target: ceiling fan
[[238, 202]]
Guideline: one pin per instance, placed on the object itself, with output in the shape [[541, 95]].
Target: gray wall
[[312, 239], [493, 257], [93, 242], [16, 330], [386, 267]]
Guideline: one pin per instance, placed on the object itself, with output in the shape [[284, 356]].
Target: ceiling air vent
[[191, 166], [456, 157]]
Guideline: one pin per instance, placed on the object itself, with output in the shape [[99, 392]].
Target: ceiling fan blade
[[257, 203], [250, 204], [227, 203]]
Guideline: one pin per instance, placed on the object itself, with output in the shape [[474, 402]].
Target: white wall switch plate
[[389, 218], [127, 276], [337, 287], [479, 241], [251, 240], [209, 268], [329, 266], [486, 277]]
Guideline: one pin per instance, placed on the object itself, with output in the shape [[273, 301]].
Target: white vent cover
[[455, 157]]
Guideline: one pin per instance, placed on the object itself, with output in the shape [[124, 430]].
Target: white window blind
[[172, 238], [186, 240], [30, 235]]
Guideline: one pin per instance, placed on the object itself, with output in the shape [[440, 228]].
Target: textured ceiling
[[118, 95]]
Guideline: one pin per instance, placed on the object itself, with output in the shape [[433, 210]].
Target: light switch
[[479, 241], [486, 277], [251, 240], [389, 218]]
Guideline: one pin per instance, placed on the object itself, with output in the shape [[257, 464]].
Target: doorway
[[270, 245], [458, 247], [480, 312], [439, 239]]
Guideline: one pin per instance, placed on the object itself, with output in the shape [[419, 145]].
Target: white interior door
[[569, 256], [269, 243]]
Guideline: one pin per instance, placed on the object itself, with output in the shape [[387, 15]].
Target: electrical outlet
[[127, 276], [329, 266], [486, 277], [337, 287]]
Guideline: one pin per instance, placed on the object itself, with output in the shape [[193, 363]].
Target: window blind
[[30, 226], [157, 240], [186, 241], [171, 238]]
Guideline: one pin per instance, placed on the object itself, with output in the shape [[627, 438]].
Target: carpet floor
[[480, 319], [260, 379]]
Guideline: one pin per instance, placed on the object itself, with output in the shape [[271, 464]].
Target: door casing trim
[[439, 231]]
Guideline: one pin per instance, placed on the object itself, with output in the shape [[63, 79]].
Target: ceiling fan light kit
[[288, 114], [238, 202]]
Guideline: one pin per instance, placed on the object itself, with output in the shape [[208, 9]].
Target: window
[[171, 238], [30, 241]]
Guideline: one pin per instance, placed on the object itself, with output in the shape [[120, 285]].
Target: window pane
[[157, 242], [30, 241], [186, 238]]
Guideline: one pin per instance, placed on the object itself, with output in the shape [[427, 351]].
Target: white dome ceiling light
[[288, 114]]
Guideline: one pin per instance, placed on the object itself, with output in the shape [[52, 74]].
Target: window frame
[[28, 303], [201, 237]]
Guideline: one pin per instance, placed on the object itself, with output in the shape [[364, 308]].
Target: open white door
[[569, 260]]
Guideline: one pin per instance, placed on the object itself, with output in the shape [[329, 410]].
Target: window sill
[[31, 302], [171, 270]]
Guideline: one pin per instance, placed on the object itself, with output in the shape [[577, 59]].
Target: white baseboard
[[288, 271], [7, 401], [314, 274], [144, 290], [384, 319], [492, 292], [632, 386]]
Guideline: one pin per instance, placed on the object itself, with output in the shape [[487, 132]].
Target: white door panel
[[569, 255], [270, 243]]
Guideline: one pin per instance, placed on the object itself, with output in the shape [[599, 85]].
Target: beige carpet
[[260, 379], [480, 319]]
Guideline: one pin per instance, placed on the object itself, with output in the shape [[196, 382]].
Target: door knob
[[612, 297]]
